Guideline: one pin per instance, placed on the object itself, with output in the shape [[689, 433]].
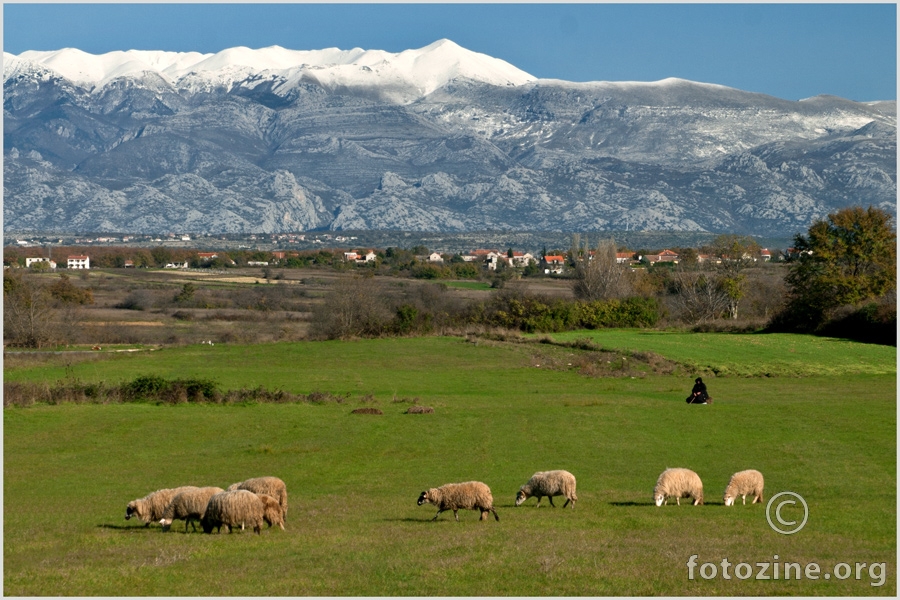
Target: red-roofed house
[[664, 256], [553, 264], [78, 261]]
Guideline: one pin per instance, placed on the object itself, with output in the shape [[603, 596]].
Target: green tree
[[186, 294], [845, 260]]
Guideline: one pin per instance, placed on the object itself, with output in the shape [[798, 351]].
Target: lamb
[[241, 507], [150, 507], [678, 483], [743, 483], [548, 483], [472, 495], [271, 486], [189, 505]]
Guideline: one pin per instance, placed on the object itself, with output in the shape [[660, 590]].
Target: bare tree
[[28, 312], [353, 308], [601, 277], [698, 295]]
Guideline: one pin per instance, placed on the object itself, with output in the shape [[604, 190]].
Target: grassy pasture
[[353, 527]]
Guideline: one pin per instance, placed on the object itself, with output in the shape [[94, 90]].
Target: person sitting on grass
[[699, 394]]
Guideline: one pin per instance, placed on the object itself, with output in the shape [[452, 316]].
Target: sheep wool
[[189, 505], [241, 508], [271, 486], [471, 495], [743, 483], [548, 483], [151, 507], [678, 483]]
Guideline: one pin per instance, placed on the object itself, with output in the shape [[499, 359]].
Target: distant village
[[109, 252]]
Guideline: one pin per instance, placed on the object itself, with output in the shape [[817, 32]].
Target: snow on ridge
[[424, 69]]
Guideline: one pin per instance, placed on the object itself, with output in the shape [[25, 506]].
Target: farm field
[[816, 416]]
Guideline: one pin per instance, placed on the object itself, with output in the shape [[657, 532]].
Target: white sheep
[[189, 505], [150, 507], [743, 483], [271, 486], [471, 495], [678, 483], [241, 508], [548, 483]]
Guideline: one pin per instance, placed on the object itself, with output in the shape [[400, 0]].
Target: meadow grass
[[748, 354], [469, 285], [353, 527]]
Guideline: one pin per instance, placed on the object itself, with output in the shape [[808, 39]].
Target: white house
[[78, 261], [31, 261], [435, 258], [520, 259], [553, 264]]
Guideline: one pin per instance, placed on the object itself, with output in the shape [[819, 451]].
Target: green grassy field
[[353, 527]]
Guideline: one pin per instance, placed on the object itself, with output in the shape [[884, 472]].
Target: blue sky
[[791, 51]]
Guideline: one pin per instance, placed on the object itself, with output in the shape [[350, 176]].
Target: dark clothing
[[698, 394]]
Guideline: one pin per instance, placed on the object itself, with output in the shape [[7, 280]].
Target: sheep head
[[426, 497], [134, 509], [659, 499], [729, 499], [522, 496]]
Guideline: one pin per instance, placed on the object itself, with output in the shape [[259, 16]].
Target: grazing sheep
[[678, 483], [150, 507], [189, 505], [241, 507], [272, 486], [548, 483], [743, 483], [472, 495]]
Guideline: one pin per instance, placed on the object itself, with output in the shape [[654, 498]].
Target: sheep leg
[[539, 501], [496, 516], [744, 499], [678, 501], [551, 501], [567, 503], [456, 514], [438, 514]]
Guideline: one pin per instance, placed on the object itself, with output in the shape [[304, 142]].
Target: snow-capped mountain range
[[434, 139]]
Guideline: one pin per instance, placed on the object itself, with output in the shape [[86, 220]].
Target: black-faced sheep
[[241, 508], [472, 495], [743, 483], [189, 505], [548, 483], [678, 483], [150, 508], [271, 486]]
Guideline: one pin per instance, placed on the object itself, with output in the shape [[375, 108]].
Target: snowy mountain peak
[[423, 70]]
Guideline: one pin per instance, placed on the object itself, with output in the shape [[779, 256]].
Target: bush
[[536, 314], [873, 323], [630, 312]]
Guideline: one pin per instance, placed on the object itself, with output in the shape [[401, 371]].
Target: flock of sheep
[[249, 503], [684, 483], [245, 504], [672, 483]]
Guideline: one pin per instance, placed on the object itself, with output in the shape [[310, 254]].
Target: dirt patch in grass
[[585, 356]]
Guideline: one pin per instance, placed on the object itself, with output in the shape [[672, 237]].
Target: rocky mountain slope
[[434, 139]]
